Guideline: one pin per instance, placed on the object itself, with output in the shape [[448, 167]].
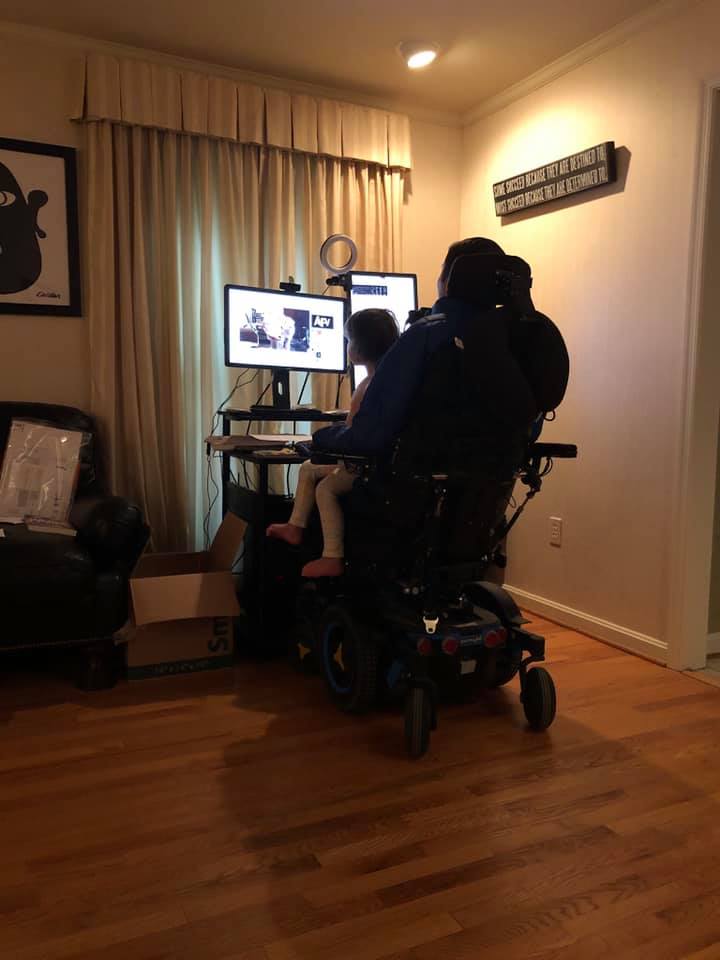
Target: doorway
[[694, 603], [713, 648]]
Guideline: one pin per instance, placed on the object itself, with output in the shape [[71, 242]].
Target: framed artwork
[[39, 258]]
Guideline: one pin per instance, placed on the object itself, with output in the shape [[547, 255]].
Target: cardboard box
[[182, 608]]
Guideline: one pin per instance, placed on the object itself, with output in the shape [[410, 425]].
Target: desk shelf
[[231, 415], [264, 459]]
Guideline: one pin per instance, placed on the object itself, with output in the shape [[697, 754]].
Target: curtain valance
[[153, 95]]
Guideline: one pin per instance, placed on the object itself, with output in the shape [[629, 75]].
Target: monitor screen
[[293, 331], [389, 291]]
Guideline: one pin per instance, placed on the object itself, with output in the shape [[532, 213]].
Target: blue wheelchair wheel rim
[[341, 681]]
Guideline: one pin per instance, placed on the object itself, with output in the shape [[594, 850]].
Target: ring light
[[327, 247]]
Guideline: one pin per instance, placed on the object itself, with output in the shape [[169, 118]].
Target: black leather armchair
[[59, 590]]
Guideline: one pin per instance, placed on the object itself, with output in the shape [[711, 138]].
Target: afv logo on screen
[[321, 322]]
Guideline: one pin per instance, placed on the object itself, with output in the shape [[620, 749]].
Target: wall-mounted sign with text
[[587, 170]]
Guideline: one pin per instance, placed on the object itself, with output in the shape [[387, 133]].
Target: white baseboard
[[713, 644], [618, 636]]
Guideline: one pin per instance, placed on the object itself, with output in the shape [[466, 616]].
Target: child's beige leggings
[[323, 484]]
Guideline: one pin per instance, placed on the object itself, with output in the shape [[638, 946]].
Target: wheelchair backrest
[[470, 424], [489, 280], [468, 435], [475, 407]]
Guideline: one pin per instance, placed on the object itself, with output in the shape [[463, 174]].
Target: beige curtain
[[172, 219], [143, 94]]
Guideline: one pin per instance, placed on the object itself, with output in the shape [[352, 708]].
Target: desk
[[270, 570], [263, 460], [230, 416]]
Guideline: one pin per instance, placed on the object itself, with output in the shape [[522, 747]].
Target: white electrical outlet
[[556, 531]]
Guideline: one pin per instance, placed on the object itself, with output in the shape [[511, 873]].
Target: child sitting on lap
[[370, 334]]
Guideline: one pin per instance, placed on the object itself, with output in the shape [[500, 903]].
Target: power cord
[[212, 497], [257, 402], [239, 559], [302, 389], [238, 385]]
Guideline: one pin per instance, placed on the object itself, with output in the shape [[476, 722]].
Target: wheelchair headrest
[[488, 280]]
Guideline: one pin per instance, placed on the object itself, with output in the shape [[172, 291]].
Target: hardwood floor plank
[[375, 944], [238, 816]]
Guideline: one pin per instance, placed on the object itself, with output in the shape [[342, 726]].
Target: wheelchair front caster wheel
[[418, 721], [539, 699]]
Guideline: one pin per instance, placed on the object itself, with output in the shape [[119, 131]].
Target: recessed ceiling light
[[418, 55]]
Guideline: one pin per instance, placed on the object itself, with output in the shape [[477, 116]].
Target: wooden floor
[[238, 816]]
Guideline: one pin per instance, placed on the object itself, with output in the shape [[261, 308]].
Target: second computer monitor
[[389, 291]]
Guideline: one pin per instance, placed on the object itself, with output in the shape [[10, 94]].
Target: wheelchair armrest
[[321, 457], [554, 451], [112, 530], [326, 456]]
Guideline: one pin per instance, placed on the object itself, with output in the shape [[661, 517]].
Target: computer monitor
[[388, 291], [292, 331], [283, 331]]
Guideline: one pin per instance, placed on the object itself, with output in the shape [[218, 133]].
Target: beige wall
[[46, 358], [613, 272], [432, 216], [41, 358]]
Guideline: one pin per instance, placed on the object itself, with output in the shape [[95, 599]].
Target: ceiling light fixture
[[418, 55]]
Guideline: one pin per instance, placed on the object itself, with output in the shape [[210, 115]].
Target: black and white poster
[[586, 170], [39, 269]]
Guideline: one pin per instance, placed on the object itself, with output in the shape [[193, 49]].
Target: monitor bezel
[[282, 293], [381, 273], [374, 273]]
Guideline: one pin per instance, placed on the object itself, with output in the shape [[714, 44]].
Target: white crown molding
[[85, 44], [614, 37], [576, 58]]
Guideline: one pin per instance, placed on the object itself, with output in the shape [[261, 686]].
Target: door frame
[[691, 541]]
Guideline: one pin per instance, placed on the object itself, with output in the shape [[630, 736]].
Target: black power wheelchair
[[414, 612]]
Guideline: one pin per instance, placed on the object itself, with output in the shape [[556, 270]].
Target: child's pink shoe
[[287, 532], [324, 567]]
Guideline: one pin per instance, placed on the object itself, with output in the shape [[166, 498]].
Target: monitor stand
[[281, 397]]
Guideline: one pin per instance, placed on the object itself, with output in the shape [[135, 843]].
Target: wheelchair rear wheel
[[418, 721], [539, 698], [349, 656]]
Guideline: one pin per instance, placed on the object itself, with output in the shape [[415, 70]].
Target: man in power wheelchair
[[427, 516]]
